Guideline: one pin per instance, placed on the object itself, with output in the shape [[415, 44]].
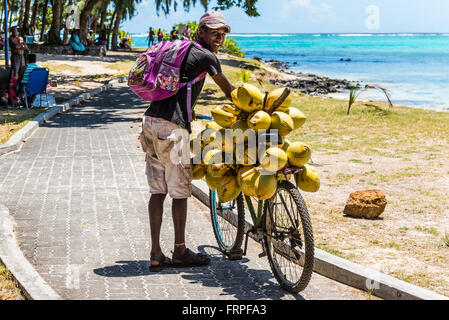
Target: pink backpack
[[156, 73]]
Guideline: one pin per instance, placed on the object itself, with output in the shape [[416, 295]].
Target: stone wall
[[66, 49]]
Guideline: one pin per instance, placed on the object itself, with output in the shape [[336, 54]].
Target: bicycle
[[276, 225]]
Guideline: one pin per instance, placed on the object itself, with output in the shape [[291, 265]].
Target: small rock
[[365, 204]]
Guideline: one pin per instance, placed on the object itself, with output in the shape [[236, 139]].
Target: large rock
[[365, 204]]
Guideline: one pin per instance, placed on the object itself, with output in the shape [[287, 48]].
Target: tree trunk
[[114, 44], [103, 14], [22, 7], [11, 9], [66, 31], [84, 17], [34, 15], [44, 19], [26, 16], [108, 34], [94, 29], [54, 33]]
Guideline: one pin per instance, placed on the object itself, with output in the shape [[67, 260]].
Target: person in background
[[187, 32], [102, 40], [18, 47], [124, 44], [75, 42], [90, 38], [150, 37], [174, 35], [26, 75], [2, 41], [160, 35]]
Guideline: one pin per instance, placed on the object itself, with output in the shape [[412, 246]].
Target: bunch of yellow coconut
[[229, 156]]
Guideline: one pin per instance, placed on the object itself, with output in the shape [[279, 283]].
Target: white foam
[[259, 35]]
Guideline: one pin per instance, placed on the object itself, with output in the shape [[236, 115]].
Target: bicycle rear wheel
[[228, 222], [288, 238]]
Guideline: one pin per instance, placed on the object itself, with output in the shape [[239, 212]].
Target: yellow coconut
[[223, 118], [285, 145], [207, 136], [259, 120], [228, 189], [199, 171], [213, 182], [298, 154], [214, 156], [241, 134], [245, 155], [308, 180], [217, 170], [231, 109], [249, 181], [212, 125], [281, 122], [265, 186], [273, 96], [284, 177], [235, 98], [297, 116], [196, 146], [274, 159], [249, 98], [241, 171], [214, 161]]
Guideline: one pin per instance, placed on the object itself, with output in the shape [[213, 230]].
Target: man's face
[[14, 32], [213, 38]]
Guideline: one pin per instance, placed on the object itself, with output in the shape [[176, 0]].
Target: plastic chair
[[37, 84]]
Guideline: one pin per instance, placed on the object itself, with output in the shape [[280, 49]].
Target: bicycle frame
[[257, 217]]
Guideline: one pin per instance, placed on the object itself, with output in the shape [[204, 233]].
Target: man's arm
[[224, 84]]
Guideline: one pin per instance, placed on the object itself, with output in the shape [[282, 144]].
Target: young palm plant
[[355, 92]]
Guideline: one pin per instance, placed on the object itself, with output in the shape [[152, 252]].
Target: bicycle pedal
[[262, 254]]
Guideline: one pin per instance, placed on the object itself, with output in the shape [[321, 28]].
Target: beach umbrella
[[5, 4]]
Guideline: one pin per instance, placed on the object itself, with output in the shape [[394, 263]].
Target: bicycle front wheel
[[288, 238], [228, 222]]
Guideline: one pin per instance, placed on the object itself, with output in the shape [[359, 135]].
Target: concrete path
[[78, 194]]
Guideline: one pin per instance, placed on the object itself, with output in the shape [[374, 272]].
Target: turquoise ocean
[[413, 67]]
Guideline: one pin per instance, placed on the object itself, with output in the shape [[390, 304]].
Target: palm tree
[[54, 33], [84, 17], [124, 9], [34, 14], [44, 19], [26, 15]]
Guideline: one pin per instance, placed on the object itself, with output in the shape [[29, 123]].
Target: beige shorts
[[164, 175]]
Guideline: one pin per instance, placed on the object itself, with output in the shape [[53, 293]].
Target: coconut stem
[[280, 100]]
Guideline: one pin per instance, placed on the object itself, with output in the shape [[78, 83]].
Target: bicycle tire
[[229, 237], [275, 244]]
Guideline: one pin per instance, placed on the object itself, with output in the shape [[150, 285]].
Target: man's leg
[[155, 211], [179, 215]]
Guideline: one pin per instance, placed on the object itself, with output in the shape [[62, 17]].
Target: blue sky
[[312, 16]]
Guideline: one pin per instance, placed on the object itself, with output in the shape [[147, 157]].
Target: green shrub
[[231, 47]]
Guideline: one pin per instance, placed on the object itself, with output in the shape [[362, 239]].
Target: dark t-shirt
[[174, 109]]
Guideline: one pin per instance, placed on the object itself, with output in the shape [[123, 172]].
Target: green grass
[[12, 120], [9, 289], [446, 239], [431, 230]]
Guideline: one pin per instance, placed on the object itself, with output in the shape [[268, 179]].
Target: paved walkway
[[78, 194]]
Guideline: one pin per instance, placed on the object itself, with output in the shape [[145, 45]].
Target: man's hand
[[224, 84]]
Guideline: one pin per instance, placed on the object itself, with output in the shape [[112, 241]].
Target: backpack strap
[[189, 94]]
